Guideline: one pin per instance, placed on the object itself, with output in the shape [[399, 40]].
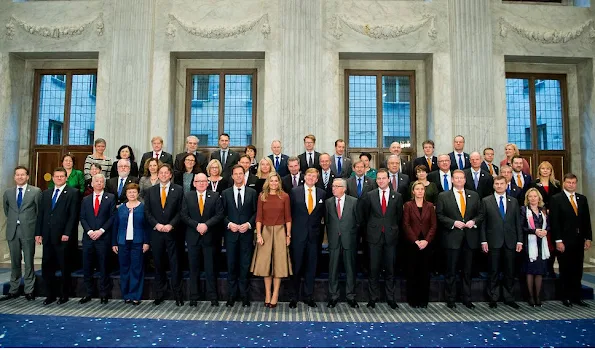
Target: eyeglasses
[[337, 186]]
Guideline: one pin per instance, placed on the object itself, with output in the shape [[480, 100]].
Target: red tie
[[96, 209], [394, 183], [156, 155], [339, 207], [383, 202]]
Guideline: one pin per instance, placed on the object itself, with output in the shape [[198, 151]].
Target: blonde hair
[[214, 162], [533, 189], [514, 147], [266, 188], [552, 177], [268, 160], [413, 188]]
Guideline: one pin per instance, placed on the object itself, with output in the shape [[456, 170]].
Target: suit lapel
[[376, 201], [62, 195], [416, 212], [456, 205]]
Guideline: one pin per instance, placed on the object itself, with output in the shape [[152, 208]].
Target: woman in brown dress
[[273, 227]]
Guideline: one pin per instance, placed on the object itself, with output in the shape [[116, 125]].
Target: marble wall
[[460, 51]]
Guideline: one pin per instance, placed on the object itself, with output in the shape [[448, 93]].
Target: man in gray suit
[[341, 229], [501, 236], [340, 164], [20, 207]]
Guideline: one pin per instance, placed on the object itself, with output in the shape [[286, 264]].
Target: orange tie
[[201, 205], [463, 205], [491, 169], [163, 196], [429, 164], [518, 180], [573, 203], [310, 201]]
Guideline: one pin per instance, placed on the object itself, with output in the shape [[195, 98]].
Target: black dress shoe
[[353, 304], [136, 302], [538, 302], [392, 305], [230, 303], [158, 301], [48, 301], [310, 302], [179, 302], [104, 300], [9, 296], [292, 304], [469, 305], [423, 305], [127, 301], [580, 303], [512, 304], [371, 304], [85, 300], [331, 304], [493, 304], [30, 296], [451, 305], [245, 303], [567, 303], [213, 303], [193, 303], [62, 300]]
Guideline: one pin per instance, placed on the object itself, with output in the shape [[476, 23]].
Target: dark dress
[[539, 266]]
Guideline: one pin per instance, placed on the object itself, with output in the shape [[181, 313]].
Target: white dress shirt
[[130, 226], [242, 193], [61, 189], [497, 196], [386, 195], [457, 158], [342, 199], [448, 178], [458, 197], [306, 194], [24, 187], [515, 178]]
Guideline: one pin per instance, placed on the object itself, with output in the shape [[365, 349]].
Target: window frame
[[221, 112]]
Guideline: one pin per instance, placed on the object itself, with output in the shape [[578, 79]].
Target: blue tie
[[508, 189], [339, 165], [120, 187], [476, 179], [502, 212], [277, 163], [55, 198], [359, 187], [460, 162], [445, 186], [20, 198]]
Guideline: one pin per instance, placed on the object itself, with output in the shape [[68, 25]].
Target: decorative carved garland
[[547, 37], [384, 31], [53, 32], [218, 32]]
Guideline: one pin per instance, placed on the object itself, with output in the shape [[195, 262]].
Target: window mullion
[[67, 102], [379, 123], [533, 112], [221, 103]]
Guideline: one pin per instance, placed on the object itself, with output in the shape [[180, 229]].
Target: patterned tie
[[339, 207], [277, 163], [491, 169], [325, 179], [20, 198], [461, 166], [359, 187], [201, 204], [156, 155], [429, 164], [55, 198], [394, 182], [310, 201], [383, 203], [163, 197], [96, 208], [573, 203], [339, 165], [519, 181], [501, 206], [294, 182], [120, 187], [445, 185], [463, 205]]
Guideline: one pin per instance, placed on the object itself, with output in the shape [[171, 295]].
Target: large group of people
[[440, 213]]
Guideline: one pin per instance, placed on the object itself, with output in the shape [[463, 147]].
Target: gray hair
[[342, 180], [99, 176], [192, 137]]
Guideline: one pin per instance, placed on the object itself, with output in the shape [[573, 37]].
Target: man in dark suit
[[404, 165], [522, 179], [443, 177], [309, 159], [249, 179], [325, 180], [340, 164], [570, 222], [381, 212], [458, 158], [163, 203], [21, 205], [157, 153], [307, 212], [459, 213], [279, 160], [511, 188], [239, 219], [56, 220], [488, 162], [295, 177], [201, 212], [341, 228], [192, 147], [227, 157], [116, 185], [97, 213], [477, 179], [398, 181], [501, 236], [359, 184], [428, 159]]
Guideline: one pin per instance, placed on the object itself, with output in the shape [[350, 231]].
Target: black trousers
[[194, 255], [418, 274], [55, 257], [501, 259], [382, 257], [95, 253], [452, 258], [571, 270], [239, 258], [162, 244], [304, 258]]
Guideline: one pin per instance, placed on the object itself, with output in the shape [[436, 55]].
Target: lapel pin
[[481, 174], [393, 197], [469, 196], [509, 199]]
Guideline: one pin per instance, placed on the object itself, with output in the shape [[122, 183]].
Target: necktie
[[383, 203], [463, 205], [445, 185], [325, 179], [508, 189], [476, 179], [573, 203], [339, 207], [311, 161], [501, 206], [491, 169], [156, 155], [163, 196], [429, 164], [239, 199], [120, 187], [310, 201], [20, 198], [96, 208], [359, 187], [277, 163], [394, 182], [519, 181], [201, 204], [55, 198], [461, 166], [294, 180], [339, 165], [224, 157]]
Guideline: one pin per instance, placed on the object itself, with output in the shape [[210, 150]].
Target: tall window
[[380, 108], [219, 101]]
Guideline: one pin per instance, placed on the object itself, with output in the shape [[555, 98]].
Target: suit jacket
[[141, 228], [247, 213], [345, 166], [26, 214], [485, 183], [565, 224], [527, 182], [164, 157], [329, 185], [447, 212], [111, 186], [405, 168], [304, 163], [422, 161], [104, 219], [498, 232], [287, 183], [211, 216], [232, 159], [515, 192], [402, 185], [306, 227], [434, 177], [283, 169], [133, 169], [343, 229], [367, 185], [52, 224], [201, 159], [454, 163], [552, 190], [416, 224], [485, 167], [170, 214], [370, 215]]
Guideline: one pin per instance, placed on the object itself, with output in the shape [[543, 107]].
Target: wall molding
[[381, 31], [218, 32], [54, 32], [547, 36]]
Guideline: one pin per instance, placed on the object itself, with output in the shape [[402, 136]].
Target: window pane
[[82, 110], [548, 105], [518, 113], [238, 109], [396, 111], [363, 118], [52, 95], [204, 109]]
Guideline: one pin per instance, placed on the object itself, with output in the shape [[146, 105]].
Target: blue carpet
[[62, 331]]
